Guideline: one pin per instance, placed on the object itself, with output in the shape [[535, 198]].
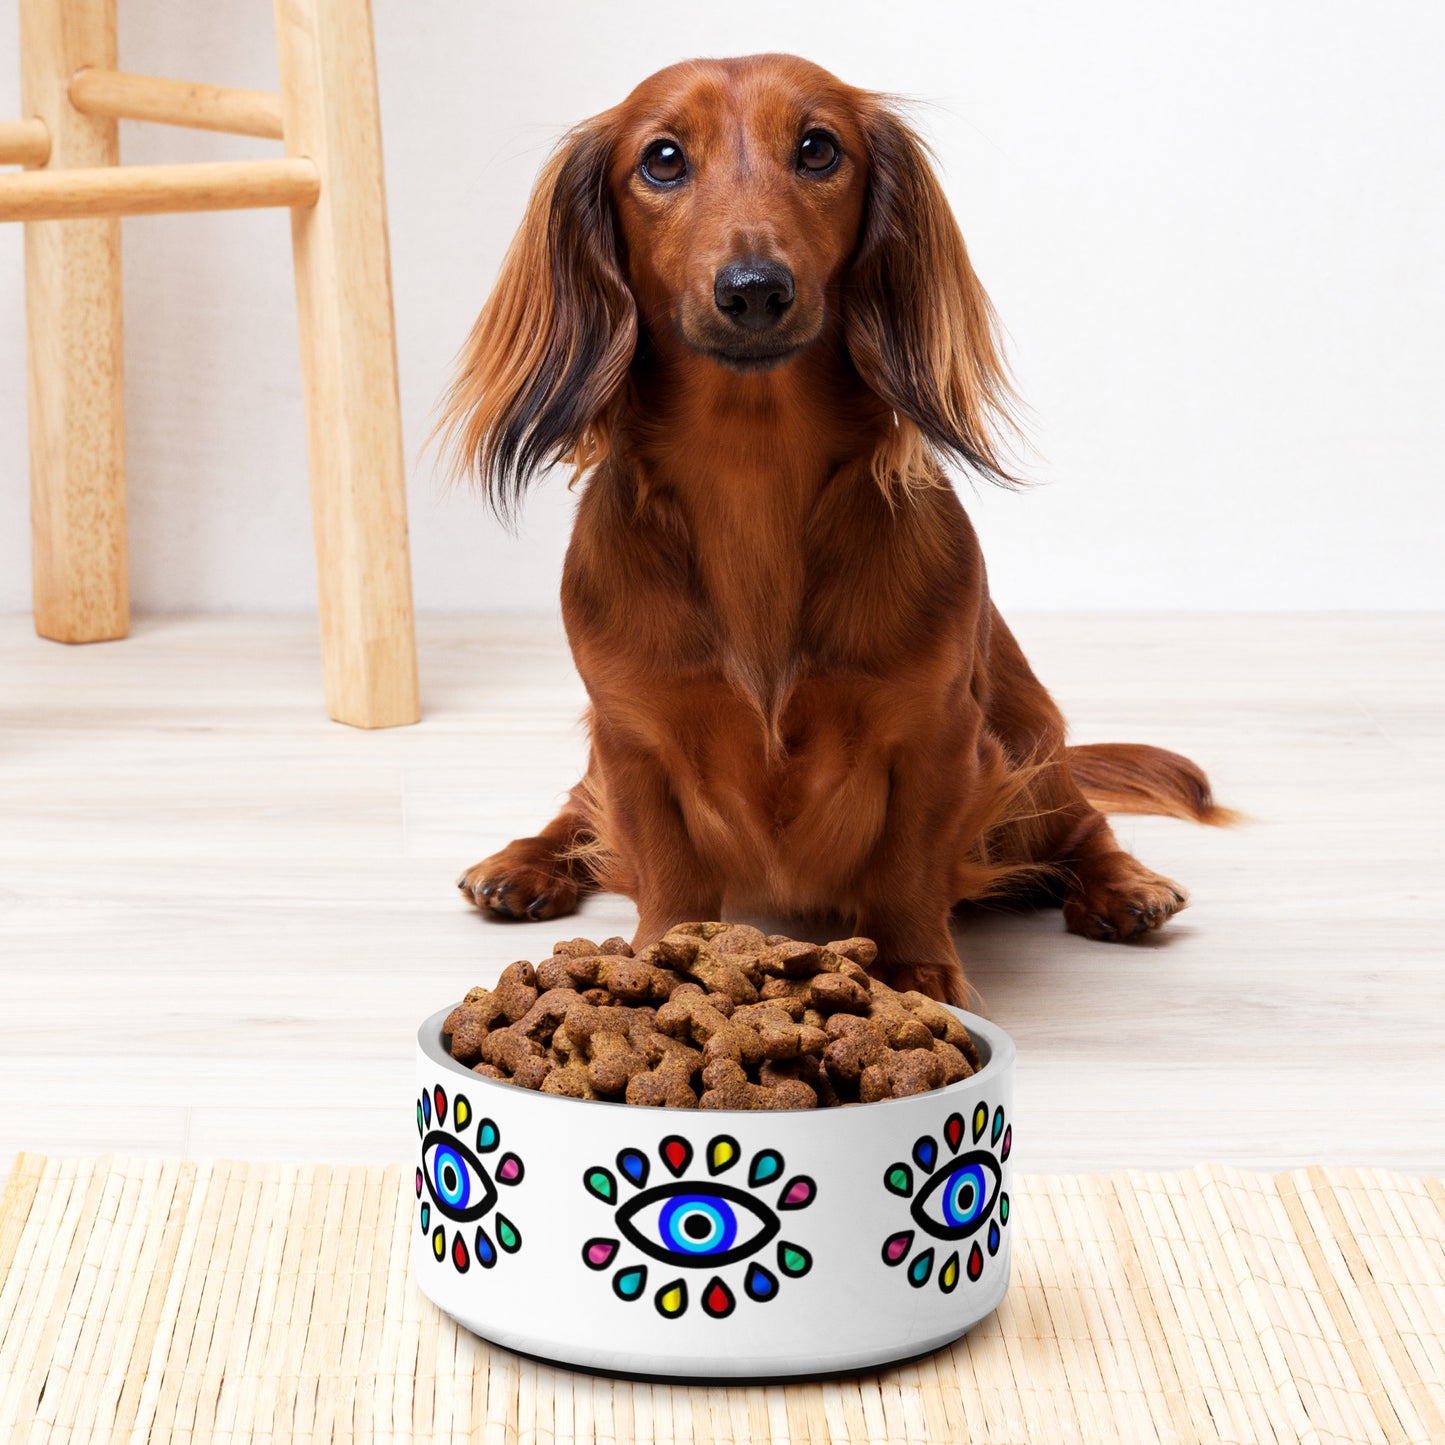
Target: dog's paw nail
[[535, 907], [1176, 895]]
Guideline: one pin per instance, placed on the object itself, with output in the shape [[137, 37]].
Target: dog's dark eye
[[818, 152], [664, 162]]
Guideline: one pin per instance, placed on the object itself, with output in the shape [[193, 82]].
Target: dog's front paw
[[1116, 899], [515, 886]]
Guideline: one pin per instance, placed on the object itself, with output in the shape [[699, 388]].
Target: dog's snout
[[754, 294]]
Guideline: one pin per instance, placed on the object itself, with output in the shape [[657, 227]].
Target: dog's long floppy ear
[[552, 345], [919, 325]]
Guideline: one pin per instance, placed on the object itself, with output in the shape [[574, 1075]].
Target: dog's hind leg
[[539, 877]]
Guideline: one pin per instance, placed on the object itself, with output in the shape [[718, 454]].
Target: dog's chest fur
[[774, 658]]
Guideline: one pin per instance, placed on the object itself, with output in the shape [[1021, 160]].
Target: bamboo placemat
[[159, 1299]]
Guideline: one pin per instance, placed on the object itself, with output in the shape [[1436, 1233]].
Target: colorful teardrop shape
[[953, 1131], [628, 1283], [925, 1151], [599, 1181], [722, 1154], [426, 1107], [1003, 1208], [997, 1124], [993, 1236], [920, 1269], [597, 1253], [461, 1112], [486, 1253], [459, 1255], [672, 1299], [1008, 1142], [676, 1154], [507, 1234], [633, 1163], [439, 1241], [487, 1136], [425, 1218], [717, 1299], [899, 1179], [798, 1194], [418, 1183], [509, 1170], [767, 1164], [975, 1261], [441, 1098], [948, 1275], [420, 1125], [896, 1246], [793, 1259], [760, 1284], [980, 1121]]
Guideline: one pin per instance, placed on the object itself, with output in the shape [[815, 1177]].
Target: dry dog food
[[713, 1016]]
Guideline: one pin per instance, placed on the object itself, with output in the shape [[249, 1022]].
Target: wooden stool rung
[[24, 142], [123, 96], [62, 195]]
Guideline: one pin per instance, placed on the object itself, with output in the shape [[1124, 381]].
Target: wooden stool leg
[[348, 359], [72, 296]]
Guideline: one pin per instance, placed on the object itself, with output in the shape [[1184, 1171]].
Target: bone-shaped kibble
[[522, 1058], [715, 972], [669, 1082], [691, 1017], [726, 1086], [470, 1022], [604, 1032], [899, 1074], [629, 980], [516, 989]]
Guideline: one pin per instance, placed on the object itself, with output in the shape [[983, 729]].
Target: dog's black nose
[[755, 294]]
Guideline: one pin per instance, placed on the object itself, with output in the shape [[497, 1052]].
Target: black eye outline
[[828, 138], [981, 1160], [710, 1190], [476, 1207], [655, 150]]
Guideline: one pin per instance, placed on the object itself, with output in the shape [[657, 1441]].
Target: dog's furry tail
[[1135, 778]]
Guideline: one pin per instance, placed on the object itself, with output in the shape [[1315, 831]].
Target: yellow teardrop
[[461, 1112], [672, 1300], [722, 1151], [980, 1120]]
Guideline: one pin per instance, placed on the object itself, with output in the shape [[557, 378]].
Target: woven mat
[[159, 1300]]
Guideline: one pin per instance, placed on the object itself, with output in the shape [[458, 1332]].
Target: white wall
[[1213, 230]]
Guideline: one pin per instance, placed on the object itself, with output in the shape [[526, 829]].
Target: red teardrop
[[718, 1300], [459, 1253], [975, 1262], [441, 1098], [953, 1130], [676, 1153]]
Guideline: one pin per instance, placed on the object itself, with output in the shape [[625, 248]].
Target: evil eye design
[[456, 1179], [958, 1194], [953, 1204], [452, 1183], [696, 1223]]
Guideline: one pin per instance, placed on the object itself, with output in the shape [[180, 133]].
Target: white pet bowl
[[693, 1244]]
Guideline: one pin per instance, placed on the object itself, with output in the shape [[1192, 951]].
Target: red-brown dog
[[740, 305]]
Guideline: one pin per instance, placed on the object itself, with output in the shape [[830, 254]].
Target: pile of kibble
[[713, 1016]]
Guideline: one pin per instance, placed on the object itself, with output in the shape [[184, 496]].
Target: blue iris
[[453, 1178], [698, 1224], [963, 1195]]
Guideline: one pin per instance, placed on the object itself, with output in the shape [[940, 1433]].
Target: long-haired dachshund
[[740, 307]]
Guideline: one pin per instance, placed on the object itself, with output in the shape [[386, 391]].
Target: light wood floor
[[222, 916]]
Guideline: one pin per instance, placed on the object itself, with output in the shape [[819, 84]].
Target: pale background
[[1214, 232]]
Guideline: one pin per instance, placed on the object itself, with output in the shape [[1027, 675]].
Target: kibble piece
[[728, 1087]]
